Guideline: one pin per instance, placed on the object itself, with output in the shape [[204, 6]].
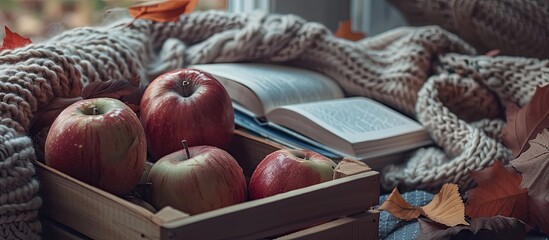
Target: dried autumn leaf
[[538, 213], [525, 123], [498, 193], [497, 227], [109, 88], [534, 166], [162, 11], [344, 31], [446, 207], [347, 167], [13, 40], [44, 117], [398, 207]]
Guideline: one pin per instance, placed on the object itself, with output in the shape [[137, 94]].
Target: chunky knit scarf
[[427, 73]]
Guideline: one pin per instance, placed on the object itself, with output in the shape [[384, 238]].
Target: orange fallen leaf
[[498, 193], [344, 31], [446, 207], [162, 11], [398, 207], [13, 40]]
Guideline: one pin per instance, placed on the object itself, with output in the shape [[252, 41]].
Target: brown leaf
[[44, 117], [162, 11], [498, 193], [347, 167], [539, 209], [344, 31], [398, 207], [525, 123], [446, 207], [497, 227], [534, 166], [13, 40], [110, 88]]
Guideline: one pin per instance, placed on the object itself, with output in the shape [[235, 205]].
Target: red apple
[[186, 104], [289, 169], [100, 142], [207, 178]]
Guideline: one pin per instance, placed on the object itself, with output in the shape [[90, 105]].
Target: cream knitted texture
[[457, 97], [516, 27]]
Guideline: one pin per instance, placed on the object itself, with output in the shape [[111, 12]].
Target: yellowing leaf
[[446, 207], [498, 227], [525, 123], [497, 193], [398, 207], [162, 11], [13, 40], [534, 166], [344, 31]]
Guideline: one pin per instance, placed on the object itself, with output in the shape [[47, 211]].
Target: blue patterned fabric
[[394, 228]]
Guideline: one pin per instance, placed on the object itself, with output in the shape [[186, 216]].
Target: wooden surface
[[360, 226], [101, 215], [52, 230], [91, 211], [282, 213]]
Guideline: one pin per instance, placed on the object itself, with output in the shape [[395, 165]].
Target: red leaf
[[539, 209], [13, 40], [110, 88], [524, 124], [498, 193], [162, 11], [344, 31]]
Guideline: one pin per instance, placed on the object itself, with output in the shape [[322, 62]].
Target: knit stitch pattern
[[515, 27], [427, 73]]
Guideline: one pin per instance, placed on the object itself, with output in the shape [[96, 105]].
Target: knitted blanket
[[427, 73]]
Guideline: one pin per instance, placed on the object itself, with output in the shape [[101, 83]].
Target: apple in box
[[186, 104], [100, 142], [197, 179], [289, 169]]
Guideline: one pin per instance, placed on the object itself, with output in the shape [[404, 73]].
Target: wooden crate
[[338, 209]]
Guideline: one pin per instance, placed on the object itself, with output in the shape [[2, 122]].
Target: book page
[[353, 119], [276, 85]]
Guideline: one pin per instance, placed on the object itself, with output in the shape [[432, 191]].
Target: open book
[[312, 106]]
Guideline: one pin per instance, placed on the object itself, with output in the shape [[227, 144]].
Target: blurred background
[[44, 18], [38, 19]]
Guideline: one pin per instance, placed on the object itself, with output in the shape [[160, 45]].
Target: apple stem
[[185, 84], [186, 146], [95, 111]]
